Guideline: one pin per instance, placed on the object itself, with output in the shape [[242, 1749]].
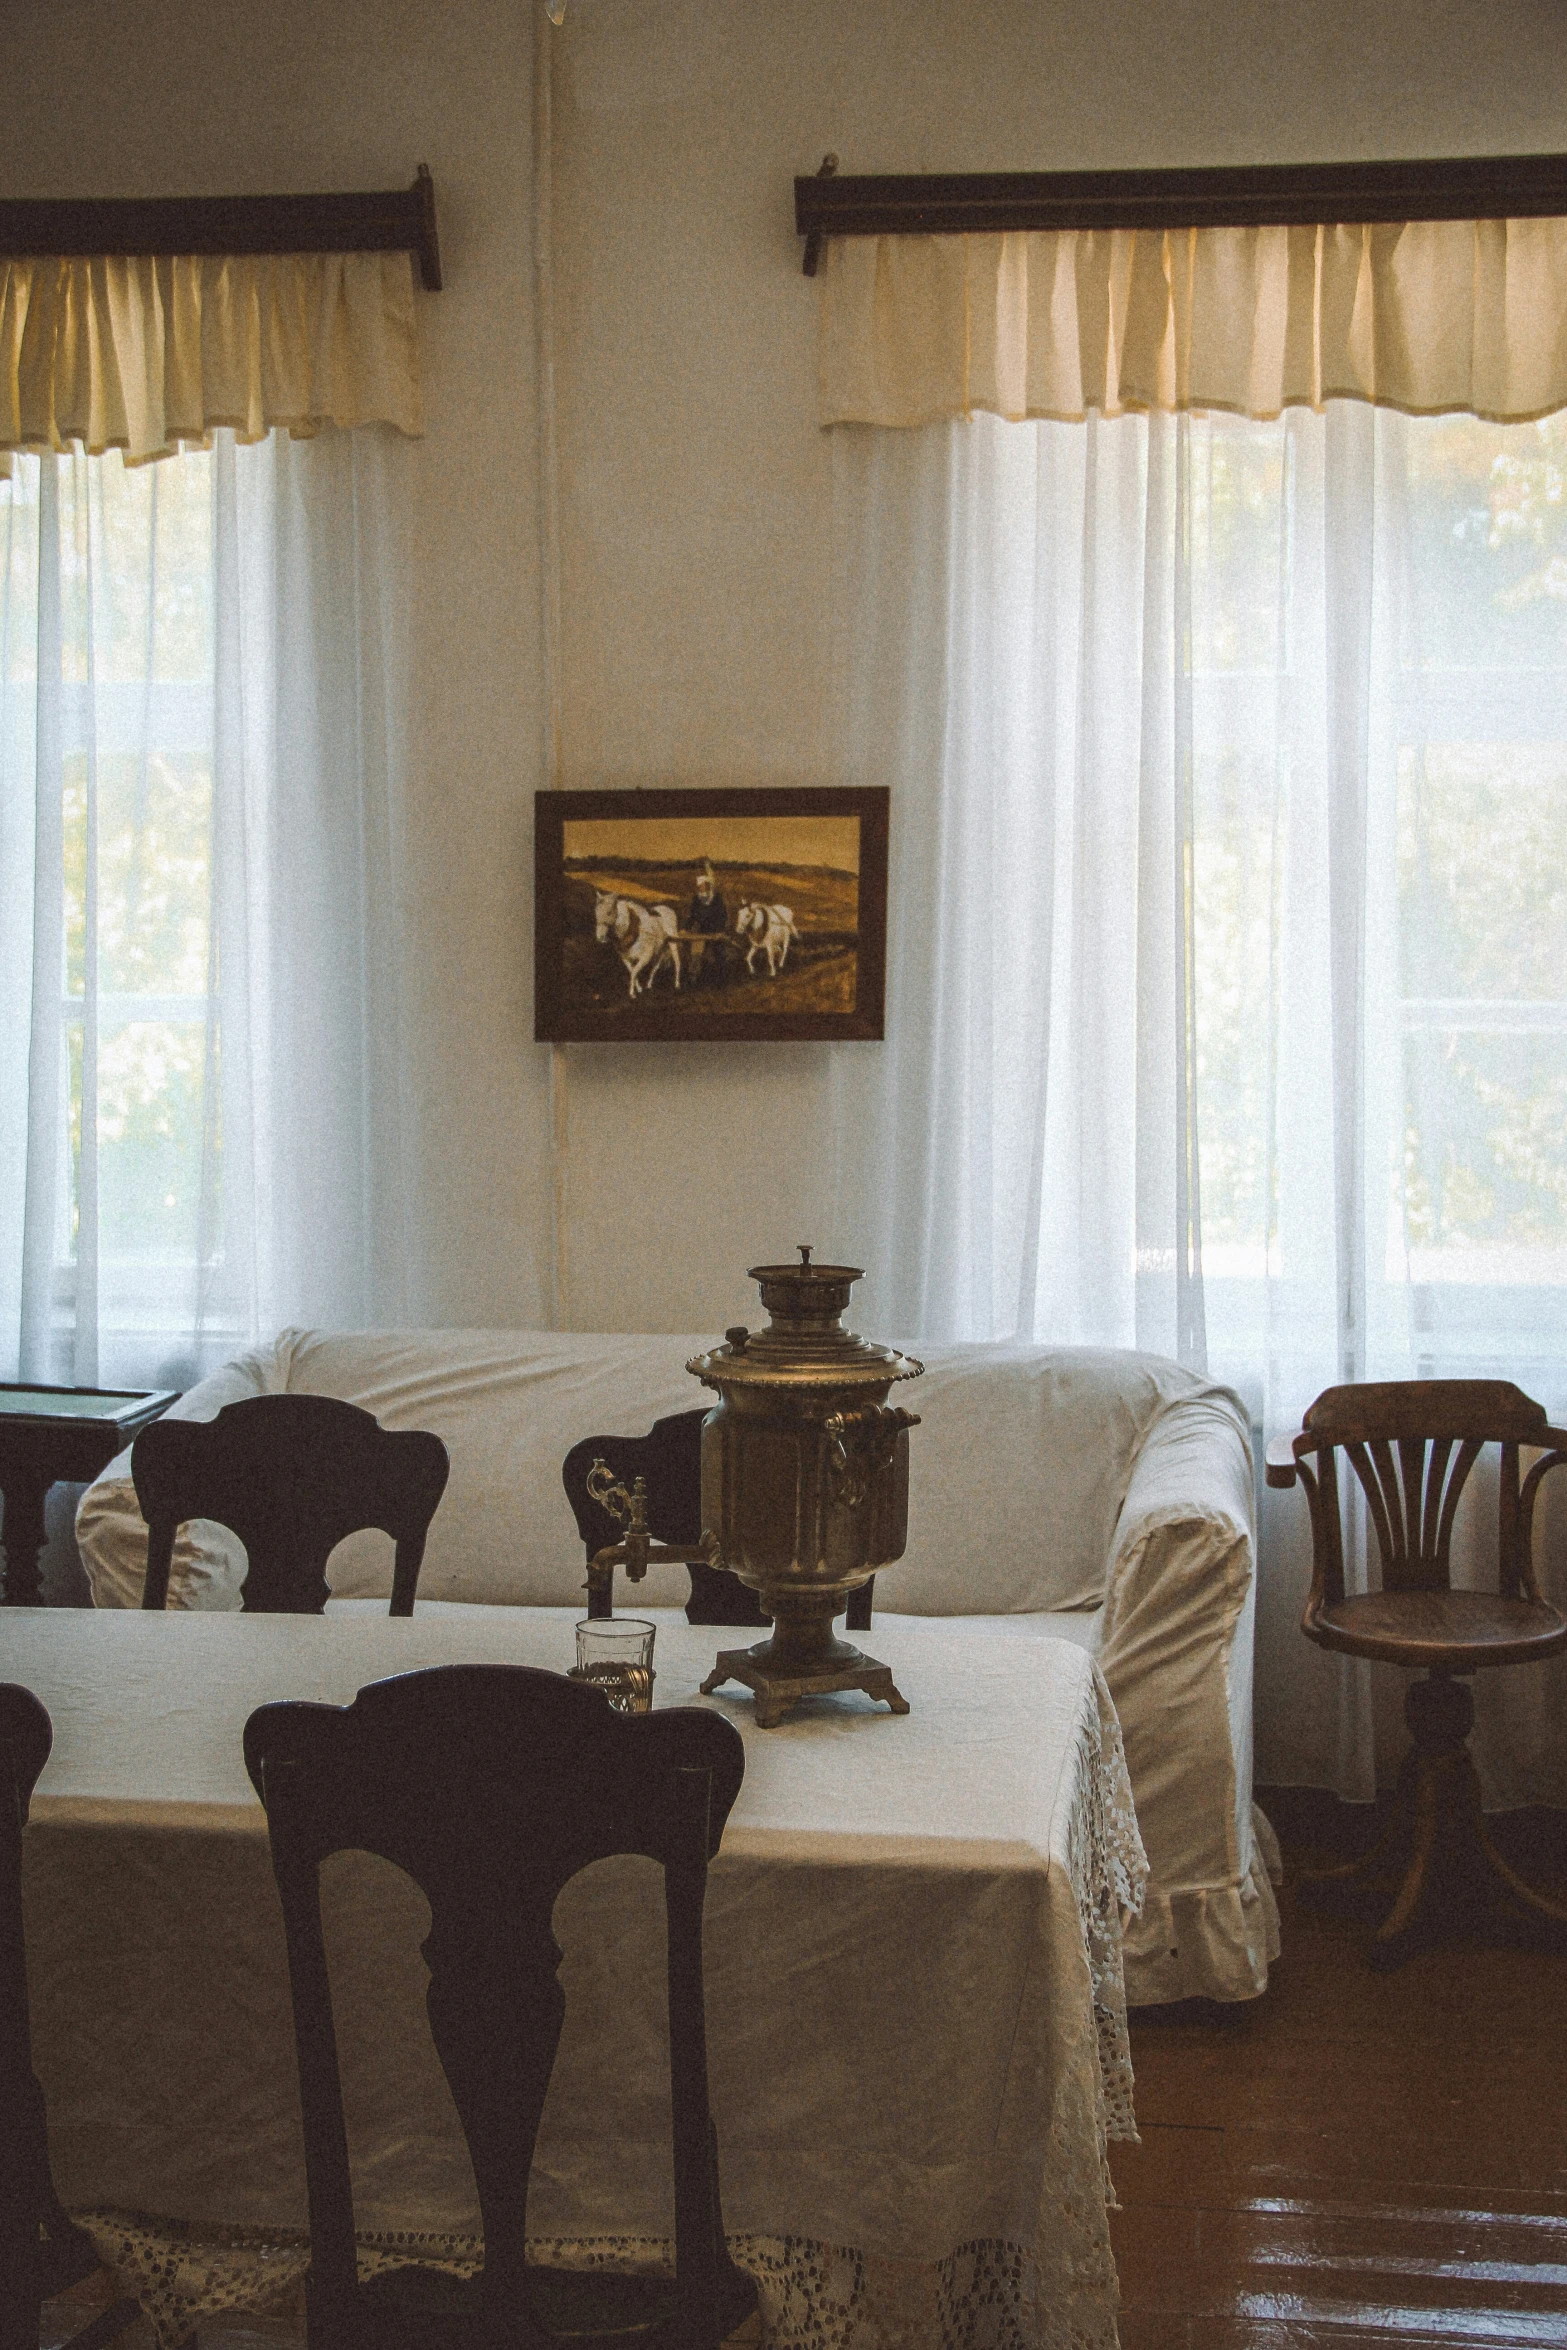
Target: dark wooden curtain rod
[[1463, 187], [392, 220]]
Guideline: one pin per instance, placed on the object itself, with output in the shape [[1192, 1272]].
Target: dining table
[[915, 2011]]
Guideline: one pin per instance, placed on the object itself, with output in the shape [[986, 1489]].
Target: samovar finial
[[805, 1247]]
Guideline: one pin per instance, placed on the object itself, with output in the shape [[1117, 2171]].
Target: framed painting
[[709, 916]]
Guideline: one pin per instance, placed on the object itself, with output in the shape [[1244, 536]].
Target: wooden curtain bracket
[[813, 237], [1461, 187], [388, 220], [429, 245]]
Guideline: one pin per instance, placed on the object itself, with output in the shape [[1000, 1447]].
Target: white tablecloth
[[916, 2026]]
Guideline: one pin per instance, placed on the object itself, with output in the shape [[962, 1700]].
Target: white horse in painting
[[645, 936], [769, 930]]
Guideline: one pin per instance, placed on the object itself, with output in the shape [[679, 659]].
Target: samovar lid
[[804, 1343]]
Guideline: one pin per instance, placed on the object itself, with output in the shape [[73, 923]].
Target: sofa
[[1073, 1493]]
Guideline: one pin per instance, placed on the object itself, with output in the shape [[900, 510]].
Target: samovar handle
[[879, 1425]]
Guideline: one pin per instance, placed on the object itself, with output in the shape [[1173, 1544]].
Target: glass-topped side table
[[47, 1433]]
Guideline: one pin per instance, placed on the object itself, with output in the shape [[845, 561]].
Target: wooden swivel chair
[[491, 1786], [1412, 1444], [42, 2250], [291, 1475], [669, 1461]]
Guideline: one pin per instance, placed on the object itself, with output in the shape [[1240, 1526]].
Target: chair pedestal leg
[[1539, 1903], [1394, 1938], [1393, 1830], [1435, 1815]]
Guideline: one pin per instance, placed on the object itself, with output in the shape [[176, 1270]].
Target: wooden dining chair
[[291, 1475], [492, 1786], [42, 2250], [1412, 1445], [669, 1461]]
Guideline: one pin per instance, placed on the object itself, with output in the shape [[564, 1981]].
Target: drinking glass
[[616, 1655]]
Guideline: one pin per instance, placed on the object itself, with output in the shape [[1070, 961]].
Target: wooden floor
[[1355, 2160]]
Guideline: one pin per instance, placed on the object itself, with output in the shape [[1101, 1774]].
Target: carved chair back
[[42, 2250], [291, 1475], [24, 2149], [491, 1786], [1411, 1444]]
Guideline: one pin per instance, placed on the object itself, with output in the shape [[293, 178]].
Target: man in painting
[[707, 917]]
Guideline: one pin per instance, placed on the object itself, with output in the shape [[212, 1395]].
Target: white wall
[[695, 488]]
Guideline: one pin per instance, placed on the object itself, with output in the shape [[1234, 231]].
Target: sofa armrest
[[1176, 1643], [1193, 1464], [111, 1533]]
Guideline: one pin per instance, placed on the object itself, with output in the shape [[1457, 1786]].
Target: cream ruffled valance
[[1426, 316], [140, 354]]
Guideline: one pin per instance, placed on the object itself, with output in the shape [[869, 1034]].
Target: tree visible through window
[[153, 718], [201, 728], [1466, 719], [109, 578]]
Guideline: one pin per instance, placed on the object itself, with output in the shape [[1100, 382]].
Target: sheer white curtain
[[1227, 1014], [201, 684]]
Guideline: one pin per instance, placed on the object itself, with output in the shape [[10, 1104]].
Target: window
[[1229, 759], [1459, 682], [109, 685], [200, 730]]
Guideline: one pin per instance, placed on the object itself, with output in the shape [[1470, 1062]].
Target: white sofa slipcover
[[1083, 1493]]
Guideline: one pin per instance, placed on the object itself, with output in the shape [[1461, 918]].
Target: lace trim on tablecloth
[[984, 2296], [1109, 1871]]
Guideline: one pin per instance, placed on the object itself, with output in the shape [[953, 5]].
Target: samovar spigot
[[636, 1547]]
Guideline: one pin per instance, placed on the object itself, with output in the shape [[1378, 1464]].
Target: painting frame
[[578, 983]]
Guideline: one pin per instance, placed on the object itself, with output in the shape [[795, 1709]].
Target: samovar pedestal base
[[779, 1685]]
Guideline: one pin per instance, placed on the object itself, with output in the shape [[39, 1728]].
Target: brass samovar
[[805, 1481]]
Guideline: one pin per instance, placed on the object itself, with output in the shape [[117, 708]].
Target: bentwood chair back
[[1411, 1445], [41, 2249], [292, 1476], [491, 1786]]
